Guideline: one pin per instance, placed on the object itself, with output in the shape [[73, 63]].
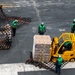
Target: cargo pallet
[[49, 66], [5, 37]]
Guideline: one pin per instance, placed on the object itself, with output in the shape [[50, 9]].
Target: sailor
[[58, 64], [14, 26], [41, 28], [73, 26]]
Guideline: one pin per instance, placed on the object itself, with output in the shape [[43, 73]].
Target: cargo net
[[7, 18], [5, 37]]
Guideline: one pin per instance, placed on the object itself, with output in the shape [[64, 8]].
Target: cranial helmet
[[42, 23], [59, 55], [74, 21], [16, 20]]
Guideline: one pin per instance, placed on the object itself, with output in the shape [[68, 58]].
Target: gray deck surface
[[56, 14], [63, 72]]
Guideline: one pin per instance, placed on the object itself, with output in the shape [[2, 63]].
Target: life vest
[[59, 61], [42, 28], [73, 26]]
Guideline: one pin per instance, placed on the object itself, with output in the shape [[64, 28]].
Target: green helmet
[[68, 45], [74, 21]]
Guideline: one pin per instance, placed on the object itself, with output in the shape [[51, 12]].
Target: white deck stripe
[[36, 9], [13, 69], [69, 65]]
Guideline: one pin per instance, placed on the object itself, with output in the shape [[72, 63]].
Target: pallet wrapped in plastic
[[41, 48], [5, 37]]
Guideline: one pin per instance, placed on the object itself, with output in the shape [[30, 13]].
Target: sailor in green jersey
[[14, 26], [73, 26], [58, 64], [41, 28], [68, 45]]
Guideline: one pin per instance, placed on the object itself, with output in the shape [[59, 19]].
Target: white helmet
[[59, 55], [42, 23], [74, 21], [16, 20]]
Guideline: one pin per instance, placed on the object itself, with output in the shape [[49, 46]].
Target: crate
[[41, 48]]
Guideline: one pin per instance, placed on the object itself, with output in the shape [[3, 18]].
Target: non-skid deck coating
[[63, 72], [56, 14], [22, 68]]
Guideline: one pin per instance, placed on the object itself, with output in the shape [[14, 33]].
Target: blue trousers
[[58, 69]]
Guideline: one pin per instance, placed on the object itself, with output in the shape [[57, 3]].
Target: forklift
[[63, 45]]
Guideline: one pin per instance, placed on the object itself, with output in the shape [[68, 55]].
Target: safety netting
[[5, 30], [3, 16]]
